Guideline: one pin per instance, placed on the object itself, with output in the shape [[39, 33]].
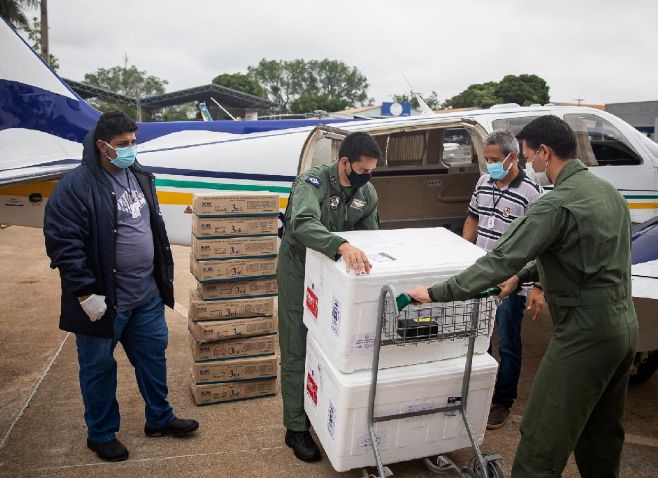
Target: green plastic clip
[[403, 300]]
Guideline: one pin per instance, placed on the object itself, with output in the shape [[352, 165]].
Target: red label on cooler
[[311, 388], [312, 302]]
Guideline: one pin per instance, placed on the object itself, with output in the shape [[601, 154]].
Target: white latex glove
[[94, 306]]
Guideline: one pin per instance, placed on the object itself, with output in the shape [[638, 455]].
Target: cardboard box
[[200, 309], [208, 331], [231, 269], [241, 369], [207, 394], [235, 226], [223, 204], [234, 348], [234, 248], [238, 289]]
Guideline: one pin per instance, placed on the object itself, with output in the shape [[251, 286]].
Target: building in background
[[642, 115]]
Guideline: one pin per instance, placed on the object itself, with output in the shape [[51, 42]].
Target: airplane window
[[515, 125], [457, 148], [405, 149], [600, 143]]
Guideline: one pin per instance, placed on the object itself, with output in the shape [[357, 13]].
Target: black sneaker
[[111, 450], [303, 446], [498, 415], [178, 427]]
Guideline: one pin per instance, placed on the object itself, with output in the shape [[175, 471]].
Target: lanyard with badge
[[491, 220]]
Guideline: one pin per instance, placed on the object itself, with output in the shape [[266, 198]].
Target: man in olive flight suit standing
[[579, 235], [329, 198]]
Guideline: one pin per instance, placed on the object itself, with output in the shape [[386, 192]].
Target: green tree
[[13, 12], [432, 100], [127, 81], [307, 103], [241, 82], [183, 112], [34, 35], [479, 95], [316, 84], [523, 89]]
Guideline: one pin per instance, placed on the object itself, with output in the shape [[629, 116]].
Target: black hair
[[112, 124], [356, 145], [552, 132]]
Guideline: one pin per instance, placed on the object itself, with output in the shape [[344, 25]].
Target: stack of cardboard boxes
[[232, 312]]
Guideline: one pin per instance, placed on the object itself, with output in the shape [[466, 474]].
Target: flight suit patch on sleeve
[[358, 204], [334, 202], [314, 181]]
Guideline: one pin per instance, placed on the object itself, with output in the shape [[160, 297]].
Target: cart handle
[[487, 293], [404, 300]]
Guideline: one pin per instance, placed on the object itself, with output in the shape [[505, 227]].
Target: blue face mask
[[497, 171], [125, 156]]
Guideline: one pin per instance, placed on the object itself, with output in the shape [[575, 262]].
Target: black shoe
[[111, 450], [303, 446], [498, 415], [178, 427]]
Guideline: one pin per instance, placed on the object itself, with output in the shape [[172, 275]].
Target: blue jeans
[[509, 316], [143, 334]]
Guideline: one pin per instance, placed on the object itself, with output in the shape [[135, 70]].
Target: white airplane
[[430, 165]]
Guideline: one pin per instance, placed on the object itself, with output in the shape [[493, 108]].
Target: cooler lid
[[400, 252]]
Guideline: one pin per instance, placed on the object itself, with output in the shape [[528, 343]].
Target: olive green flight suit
[[580, 236], [316, 208]]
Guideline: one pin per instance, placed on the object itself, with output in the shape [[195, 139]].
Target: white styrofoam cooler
[[337, 406], [340, 308]]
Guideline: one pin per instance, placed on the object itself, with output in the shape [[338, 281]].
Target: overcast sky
[[603, 51]]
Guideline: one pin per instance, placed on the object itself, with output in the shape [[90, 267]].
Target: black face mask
[[358, 180]]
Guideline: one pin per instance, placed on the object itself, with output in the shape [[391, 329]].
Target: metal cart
[[426, 323]]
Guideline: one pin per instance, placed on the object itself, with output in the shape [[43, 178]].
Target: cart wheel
[[441, 465], [494, 469]]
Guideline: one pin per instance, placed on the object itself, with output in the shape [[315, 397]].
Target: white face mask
[[539, 177]]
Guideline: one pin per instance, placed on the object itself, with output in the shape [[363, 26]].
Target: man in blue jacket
[[105, 233]]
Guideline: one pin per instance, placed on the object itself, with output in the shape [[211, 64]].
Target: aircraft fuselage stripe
[[220, 174], [220, 186]]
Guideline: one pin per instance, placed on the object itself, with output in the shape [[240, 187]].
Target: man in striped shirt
[[501, 196]]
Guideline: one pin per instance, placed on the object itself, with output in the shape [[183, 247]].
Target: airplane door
[[321, 147], [427, 176]]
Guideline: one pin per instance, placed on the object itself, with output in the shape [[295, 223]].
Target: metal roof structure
[[86, 91], [227, 97]]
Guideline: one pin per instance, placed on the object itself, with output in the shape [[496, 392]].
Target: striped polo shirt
[[495, 208]]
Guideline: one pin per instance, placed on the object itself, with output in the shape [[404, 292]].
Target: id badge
[[491, 220]]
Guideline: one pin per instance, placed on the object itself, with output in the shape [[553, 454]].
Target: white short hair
[[505, 139]]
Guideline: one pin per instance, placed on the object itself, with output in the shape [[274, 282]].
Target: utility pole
[[44, 31]]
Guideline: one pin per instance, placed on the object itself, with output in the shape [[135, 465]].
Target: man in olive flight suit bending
[[579, 235], [325, 199]]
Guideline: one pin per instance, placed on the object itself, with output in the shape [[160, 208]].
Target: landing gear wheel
[[494, 470], [644, 366]]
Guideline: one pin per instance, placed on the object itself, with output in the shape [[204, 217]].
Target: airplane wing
[[42, 121]]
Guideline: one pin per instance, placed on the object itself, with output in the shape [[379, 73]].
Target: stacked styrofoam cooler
[[232, 317], [340, 312]]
